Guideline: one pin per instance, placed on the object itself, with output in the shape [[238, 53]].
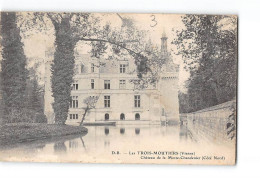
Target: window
[[74, 102], [75, 85], [122, 116], [92, 84], [137, 116], [121, 84], [106, 84], [74, 116], [83, 68], [92, 68], [122, 68], [107, 101], [106, 117], [137, 101]]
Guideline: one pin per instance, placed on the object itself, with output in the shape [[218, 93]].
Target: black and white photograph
[[118, 88]]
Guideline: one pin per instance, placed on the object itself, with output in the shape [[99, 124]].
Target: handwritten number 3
[[153, 20]]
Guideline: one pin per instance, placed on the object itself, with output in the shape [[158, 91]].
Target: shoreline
[[18, 133]]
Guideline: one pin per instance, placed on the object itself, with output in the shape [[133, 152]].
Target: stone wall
[[215, 123]]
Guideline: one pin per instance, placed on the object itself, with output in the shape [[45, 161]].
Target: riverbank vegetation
[[208, 46], [27, 132]]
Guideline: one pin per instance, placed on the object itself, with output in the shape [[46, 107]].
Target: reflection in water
[[103, 139], [83, 143], [106, 143], [137, 131], [60, 147], [106, 131], [185, 134], [40, 147], [36, 149], [73, 144], [122, 130]]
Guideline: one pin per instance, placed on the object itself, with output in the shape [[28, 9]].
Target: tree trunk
[[83, 117], [62, 70]]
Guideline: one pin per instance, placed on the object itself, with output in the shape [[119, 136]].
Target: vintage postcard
[[118, 88]]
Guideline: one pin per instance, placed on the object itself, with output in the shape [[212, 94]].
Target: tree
[[62, 73], [184, 103], [14, 73], [70, 28], [35, 107], [90, 103], [208, 46]]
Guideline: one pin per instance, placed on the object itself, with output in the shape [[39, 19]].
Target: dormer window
[[122, 68]]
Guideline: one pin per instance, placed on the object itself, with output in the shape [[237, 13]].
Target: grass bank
[[28, 132]]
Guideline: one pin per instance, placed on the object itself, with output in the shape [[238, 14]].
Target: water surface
[[117, 144]]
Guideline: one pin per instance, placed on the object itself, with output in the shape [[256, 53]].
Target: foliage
[[35, 106], [231, 124], [208, 46], [14, 73], [70, 28], [90, 103], [27, 132], [184, 103], [62, 70]]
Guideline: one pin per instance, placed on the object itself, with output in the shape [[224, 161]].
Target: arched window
[[137, 116], [106, 116], [122, 116]]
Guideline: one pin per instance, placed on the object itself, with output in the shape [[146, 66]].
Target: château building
[[119, 99]]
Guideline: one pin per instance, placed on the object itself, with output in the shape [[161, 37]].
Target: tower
[[164, 51], [168, 85]]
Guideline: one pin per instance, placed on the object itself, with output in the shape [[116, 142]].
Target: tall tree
[[14, 73], [208, 46], [62, 68]]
